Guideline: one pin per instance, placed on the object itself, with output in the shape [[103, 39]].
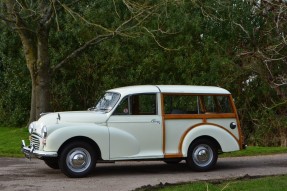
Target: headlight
[[44, 131], [30, 128]]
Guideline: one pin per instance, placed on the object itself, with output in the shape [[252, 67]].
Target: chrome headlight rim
[[44, 132], [31, 128]]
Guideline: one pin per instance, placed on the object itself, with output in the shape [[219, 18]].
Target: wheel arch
[[213, 140], [82, 139], [222, 138]]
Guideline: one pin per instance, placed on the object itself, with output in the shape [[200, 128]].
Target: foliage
[[232, 44], [269, 126], [14, 86]]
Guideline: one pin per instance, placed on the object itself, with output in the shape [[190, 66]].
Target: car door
[[136, 128]]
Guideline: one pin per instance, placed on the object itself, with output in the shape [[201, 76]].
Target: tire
[[77, 159], [202, 155], [172, 161], [52, 162]]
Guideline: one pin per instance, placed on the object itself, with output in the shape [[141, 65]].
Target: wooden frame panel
[[204, 118]]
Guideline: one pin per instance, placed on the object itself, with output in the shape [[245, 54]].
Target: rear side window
[[196, 104], [217, 104], [181, 104]]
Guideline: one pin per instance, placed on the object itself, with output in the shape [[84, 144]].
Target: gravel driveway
[[22, 174]]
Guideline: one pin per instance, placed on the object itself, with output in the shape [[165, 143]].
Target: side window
[[181, 104], [217, 104], [139, 104], [224, 104], [210, 104], [143, 104], [123, 107]]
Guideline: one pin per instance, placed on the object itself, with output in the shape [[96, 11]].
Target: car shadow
[[138, 168]]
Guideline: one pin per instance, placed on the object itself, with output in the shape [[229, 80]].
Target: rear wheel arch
[[213, 140], [222, 138]]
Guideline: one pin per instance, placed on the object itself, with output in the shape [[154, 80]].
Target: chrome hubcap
[[78, 159], [202, 155]]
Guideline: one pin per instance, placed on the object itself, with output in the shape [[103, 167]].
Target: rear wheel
[[202, 155], [77, 159]]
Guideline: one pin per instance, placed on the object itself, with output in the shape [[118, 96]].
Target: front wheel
[[77, 159], [202, 155]]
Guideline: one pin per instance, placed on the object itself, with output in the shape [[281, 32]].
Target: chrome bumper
[[30, 152]]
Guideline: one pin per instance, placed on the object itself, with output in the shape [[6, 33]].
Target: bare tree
[[268, 54], [32, 20]]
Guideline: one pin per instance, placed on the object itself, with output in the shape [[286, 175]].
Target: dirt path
[[22, 174]]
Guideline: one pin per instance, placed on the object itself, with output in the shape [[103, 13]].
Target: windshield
[[107, 102]]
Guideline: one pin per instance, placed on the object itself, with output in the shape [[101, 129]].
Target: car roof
[[169, 89]]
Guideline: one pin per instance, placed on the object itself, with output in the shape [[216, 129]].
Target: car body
[[145, 122]]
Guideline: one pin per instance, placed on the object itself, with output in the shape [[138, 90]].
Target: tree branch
[[76, 52], [158, 43], [47, 13], [242, 28], [75, 15], [7, 20], [137, 15]]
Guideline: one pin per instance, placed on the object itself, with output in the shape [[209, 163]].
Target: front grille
[[35, 140]]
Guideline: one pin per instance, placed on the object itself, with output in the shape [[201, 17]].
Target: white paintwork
[[74, 117], [170, 89], [134, 137], [192, 89], [225, 123], [98, 134], [124, 137], [225, 139], [175, 129]]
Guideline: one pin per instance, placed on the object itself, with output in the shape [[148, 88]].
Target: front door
[[136, 128]]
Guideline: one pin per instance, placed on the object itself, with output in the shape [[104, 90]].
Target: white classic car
[[148, 122]]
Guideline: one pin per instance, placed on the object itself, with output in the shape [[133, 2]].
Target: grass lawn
[[10, 141], [273, 183], [255, 150]]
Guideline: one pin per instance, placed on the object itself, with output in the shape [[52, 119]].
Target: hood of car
[[74, 117]]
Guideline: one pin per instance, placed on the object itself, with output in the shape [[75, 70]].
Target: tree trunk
[[30, 53], [42, 92], [38, 62], [43, 78], [33, 100]]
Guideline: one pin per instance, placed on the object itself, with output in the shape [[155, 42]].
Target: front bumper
[[30, 152]]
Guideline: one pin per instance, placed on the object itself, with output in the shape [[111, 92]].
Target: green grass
[[255, 151], [274, 183], [10, 141]]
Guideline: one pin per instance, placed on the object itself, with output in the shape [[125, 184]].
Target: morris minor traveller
[[146, 122]]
